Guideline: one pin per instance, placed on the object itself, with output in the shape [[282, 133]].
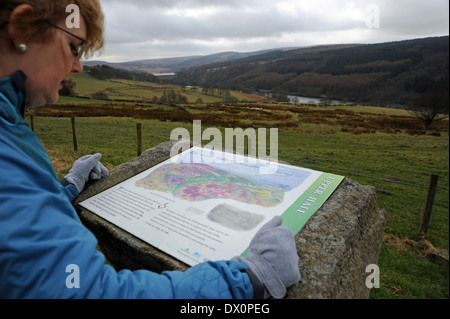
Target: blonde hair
[[35, 27]]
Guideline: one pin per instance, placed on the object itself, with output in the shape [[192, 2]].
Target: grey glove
[[272, 258], [85, 168]]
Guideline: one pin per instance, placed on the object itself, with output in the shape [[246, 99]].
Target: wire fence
[[116, 139], [402, 193]]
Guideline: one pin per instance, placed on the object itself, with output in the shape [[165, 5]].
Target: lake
[[309, 100]]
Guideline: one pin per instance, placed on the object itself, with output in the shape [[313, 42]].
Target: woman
[[41, 237]]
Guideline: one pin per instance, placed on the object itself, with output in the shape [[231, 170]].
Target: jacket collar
[[13, 88]]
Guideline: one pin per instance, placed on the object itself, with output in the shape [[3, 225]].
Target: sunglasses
[[77, 51]]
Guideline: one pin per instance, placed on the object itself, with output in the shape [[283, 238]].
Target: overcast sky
[[148, 29]]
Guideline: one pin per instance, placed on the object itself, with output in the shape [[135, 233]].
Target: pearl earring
[[23, 48]]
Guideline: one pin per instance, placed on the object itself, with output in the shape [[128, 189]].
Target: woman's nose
[[77, 67]]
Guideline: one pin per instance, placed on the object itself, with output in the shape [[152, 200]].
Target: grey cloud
[[196, 25], [415, 17], [143, 4], [147, 24]]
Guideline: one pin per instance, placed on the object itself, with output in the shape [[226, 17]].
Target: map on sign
[[200, 182], [207, 205]]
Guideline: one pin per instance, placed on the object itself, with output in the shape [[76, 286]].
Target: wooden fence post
[[429, 205], [74, 133], [139, 139]]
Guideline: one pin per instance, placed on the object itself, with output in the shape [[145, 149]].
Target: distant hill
[[381, 74], [167, 65]]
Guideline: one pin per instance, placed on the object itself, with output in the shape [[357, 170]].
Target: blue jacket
[[42, 238]]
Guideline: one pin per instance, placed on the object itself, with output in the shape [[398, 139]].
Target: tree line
[[105, 72], [380, 74]]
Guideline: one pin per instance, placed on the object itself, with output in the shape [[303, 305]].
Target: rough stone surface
[[338, 243], [335, 246]]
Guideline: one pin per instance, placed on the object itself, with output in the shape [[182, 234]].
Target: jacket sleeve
[[45, 251], [69, 189]]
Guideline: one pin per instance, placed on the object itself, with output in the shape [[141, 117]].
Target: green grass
[[115, 138], [87, 85], [404, 275], [133, 91], [383, 161]]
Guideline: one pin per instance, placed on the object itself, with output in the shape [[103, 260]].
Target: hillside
[[103, 84], [382, 74], [175, 64]]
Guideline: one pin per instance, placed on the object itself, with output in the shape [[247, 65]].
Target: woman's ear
[[18, 26]]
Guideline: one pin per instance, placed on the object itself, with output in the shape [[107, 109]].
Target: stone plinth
[[335, 246]]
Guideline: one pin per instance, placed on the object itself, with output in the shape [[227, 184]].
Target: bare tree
[[430, 108]]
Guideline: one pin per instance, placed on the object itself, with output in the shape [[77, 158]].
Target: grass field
[[385, 148], [86, 86]]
